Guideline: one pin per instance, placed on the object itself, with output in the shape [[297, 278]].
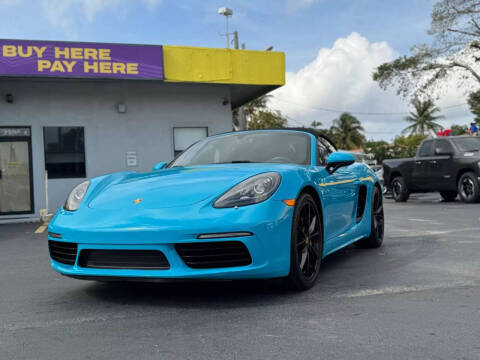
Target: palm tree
[[347, 132], [423, 118]]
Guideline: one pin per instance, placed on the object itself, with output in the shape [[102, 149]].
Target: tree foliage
[[406, 146], [459, 129], [474, 104], [423, 118], [381, 150], [260, 116], [455, 53], [315, 124], [266, 119], [346, 132]]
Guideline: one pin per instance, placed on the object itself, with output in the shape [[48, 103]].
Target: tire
[[448, 195], [399, 189], [377, 227], [468, 188], [306, 244]]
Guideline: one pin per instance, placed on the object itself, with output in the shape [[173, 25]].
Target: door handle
[[433, 162]]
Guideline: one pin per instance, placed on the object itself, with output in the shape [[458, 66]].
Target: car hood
[[174, 187]]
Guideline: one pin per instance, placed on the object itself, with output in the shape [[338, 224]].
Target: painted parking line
[[390, 290], [40, 229]]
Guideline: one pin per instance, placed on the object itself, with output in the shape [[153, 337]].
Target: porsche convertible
[[260, 204]]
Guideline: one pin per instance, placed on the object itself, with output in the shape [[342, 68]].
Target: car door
[[338, 193], [442, 173], [421, 166]]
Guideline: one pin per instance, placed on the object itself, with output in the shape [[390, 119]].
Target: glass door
[[16, 195]]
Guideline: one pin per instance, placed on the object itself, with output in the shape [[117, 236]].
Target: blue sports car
[[243, 205]]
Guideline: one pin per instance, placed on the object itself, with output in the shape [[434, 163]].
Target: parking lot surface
[[417, 297]]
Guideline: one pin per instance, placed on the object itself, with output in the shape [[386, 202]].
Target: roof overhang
[[247, 73]]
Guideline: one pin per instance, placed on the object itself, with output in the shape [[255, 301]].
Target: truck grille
[[123, 259], [63, 252], [220, 254]]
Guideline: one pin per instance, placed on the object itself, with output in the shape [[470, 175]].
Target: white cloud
[[341, 78]]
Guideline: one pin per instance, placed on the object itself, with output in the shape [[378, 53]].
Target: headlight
[[76, 196], [251, 191]]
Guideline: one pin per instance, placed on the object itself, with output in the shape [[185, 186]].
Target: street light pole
[[227, 13]]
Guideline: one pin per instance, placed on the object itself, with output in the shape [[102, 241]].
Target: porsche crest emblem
[[137, 201]]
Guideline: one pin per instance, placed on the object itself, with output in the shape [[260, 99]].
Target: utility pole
[[235, 39]]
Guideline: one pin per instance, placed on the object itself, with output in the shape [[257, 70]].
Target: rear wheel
[[468, 188], [448, 195], [377, 227], [306, 246], [399, 189]]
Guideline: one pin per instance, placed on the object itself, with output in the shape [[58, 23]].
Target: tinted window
[[465, 144], [426, 149], [255, 147], [64, 152], [443, 147]]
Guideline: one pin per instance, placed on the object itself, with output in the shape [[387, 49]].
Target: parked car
[[450, 165], [379, 174], [243, 205]]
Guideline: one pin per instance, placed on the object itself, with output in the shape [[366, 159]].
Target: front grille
[[123, 259], [220, 254], [63, 252]]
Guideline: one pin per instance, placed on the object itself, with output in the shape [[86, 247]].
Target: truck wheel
[[468, 188], [399, 189], [448, 195]]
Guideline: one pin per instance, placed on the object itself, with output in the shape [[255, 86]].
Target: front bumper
[[269, 245]]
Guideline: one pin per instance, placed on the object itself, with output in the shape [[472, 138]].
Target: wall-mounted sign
[[14, 132], [80, 60], [131, 158]]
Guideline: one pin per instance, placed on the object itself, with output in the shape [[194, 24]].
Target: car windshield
[[468, 143], [249, 147]]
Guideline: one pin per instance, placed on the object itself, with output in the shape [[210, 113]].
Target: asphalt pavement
[[417, 297]]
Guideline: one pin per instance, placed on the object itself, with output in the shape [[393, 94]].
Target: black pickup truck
[[450, 165]]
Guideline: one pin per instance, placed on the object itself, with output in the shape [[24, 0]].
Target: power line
[[356, 112]]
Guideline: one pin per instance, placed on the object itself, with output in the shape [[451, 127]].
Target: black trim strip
[[223, 235]]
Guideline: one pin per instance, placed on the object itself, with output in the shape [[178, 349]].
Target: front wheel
[[306, 246], [468, 188]]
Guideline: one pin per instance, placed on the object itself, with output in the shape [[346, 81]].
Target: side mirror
[[159, 166], [440, 152], [339, 159]]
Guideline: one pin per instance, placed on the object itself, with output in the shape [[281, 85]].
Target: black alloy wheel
[[377, 227], [468, 188], [399, 189], [306, 244]]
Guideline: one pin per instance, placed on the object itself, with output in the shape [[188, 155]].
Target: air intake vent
[[362, 199], [123, 259], [63, 252], [220, 254]]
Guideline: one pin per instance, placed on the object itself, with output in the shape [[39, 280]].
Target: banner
[[80, 60]]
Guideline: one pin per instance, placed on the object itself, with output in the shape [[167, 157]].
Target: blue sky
[[299, 27], [312, 33]]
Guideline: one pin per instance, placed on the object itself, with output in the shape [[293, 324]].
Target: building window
[[186, 136], [64, 152]]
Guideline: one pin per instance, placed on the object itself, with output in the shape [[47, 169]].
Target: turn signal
[[289, 202]]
